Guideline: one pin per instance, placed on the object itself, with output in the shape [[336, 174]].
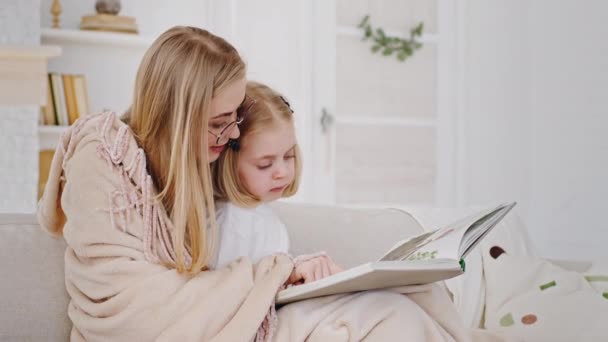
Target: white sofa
[[33, 301], [32, 294]]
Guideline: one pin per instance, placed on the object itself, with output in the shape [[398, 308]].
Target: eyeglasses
[[224, 135]]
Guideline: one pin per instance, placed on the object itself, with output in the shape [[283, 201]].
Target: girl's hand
[[311, 268]]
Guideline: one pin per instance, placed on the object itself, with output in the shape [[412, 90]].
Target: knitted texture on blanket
[[100, 197]]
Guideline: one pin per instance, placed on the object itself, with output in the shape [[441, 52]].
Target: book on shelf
[[81, 93], [58, 90], [67, 99], [48, 110], [45, 159], [429, 257], [70, 98]]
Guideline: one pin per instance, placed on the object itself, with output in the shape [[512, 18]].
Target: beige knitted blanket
[[100, 197]]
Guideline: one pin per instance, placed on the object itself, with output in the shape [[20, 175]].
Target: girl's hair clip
[[234, 145], [286, 103]]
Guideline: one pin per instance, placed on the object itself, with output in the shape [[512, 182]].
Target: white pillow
[[534, 300], [597, 276]]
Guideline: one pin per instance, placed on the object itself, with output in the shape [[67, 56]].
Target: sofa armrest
[[32, 290]]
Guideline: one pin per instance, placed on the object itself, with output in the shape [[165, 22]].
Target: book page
[[404, 248], [483, 226], [454, 243], [417, 248], [451, 242], [443, 244]]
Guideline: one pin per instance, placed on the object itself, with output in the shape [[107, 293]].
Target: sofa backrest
[[350, 236], [33, 300]]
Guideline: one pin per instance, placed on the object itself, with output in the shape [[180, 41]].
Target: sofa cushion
[[34, 300], [350, 236]]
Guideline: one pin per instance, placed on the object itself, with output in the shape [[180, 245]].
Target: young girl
[[263, 166]]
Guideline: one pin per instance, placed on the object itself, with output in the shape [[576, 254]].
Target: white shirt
[[253, 233]]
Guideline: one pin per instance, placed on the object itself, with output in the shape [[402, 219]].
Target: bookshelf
[[48, 136], [108, 61], [110, 39]]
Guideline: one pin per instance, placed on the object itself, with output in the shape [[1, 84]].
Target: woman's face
[[223, 115]]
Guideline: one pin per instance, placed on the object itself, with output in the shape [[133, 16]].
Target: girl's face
[[221, 125], [266, 162]]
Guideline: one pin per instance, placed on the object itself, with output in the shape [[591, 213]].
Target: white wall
[[495, 116], [19, 158], [569, 155], [533, 118], [19, 22], [19, 25]]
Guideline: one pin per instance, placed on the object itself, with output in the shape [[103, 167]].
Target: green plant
[[404, 48]]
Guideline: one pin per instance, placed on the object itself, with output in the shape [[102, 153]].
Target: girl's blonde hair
[[178, 76], [262, 109]]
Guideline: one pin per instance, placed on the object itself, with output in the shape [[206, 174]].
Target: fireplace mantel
[[23, 74]]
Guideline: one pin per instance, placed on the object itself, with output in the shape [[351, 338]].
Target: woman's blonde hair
[[262, 109], [178, 76]]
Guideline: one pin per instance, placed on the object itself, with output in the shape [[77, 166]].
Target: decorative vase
[[107, 18], [107, 6]]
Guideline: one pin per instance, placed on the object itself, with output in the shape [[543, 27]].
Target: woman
[[134, 201]]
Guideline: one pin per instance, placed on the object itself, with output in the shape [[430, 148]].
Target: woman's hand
[[311, 268]]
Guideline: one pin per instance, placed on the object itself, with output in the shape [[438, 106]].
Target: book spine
[[59, 98], [70, 98], [49, 108], [82, 100], [45, 159]]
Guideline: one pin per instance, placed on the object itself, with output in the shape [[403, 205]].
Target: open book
[[422, 259]]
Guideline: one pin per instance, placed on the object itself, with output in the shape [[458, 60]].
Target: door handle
[[326, 120]]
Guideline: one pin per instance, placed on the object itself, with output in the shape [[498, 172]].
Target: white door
[[394, 141], [290, 45], [373, 130]]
